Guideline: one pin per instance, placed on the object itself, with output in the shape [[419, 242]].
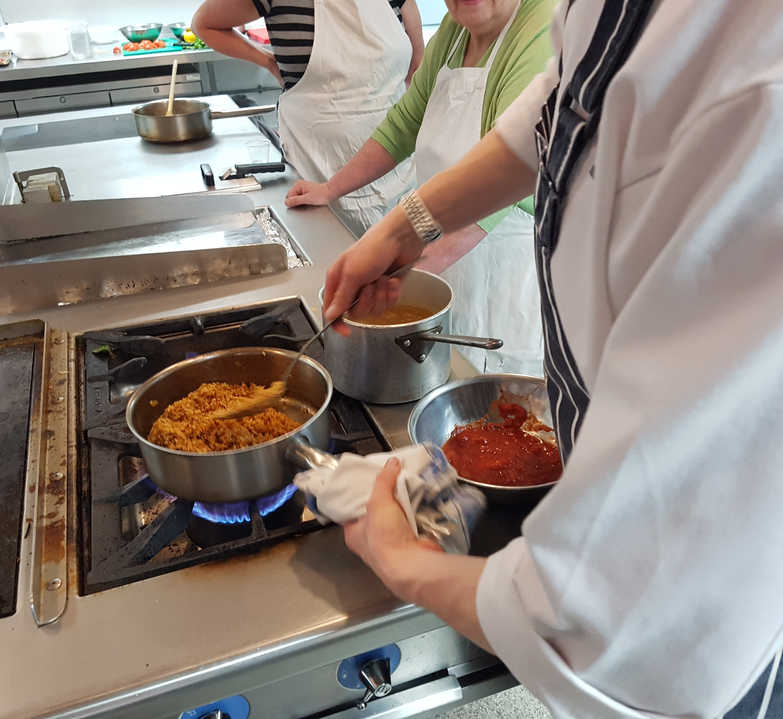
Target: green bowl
[[178, 29], [137, 33]]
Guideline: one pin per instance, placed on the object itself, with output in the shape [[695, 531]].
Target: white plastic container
[[37, 39]]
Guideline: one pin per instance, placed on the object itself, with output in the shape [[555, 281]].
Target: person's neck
[[482, 37]]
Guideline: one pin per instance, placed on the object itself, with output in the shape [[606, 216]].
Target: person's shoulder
[[533, 18]]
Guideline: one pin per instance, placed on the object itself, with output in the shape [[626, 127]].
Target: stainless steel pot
[[459, 403], [192, 119], [240, 474], [389, 364]]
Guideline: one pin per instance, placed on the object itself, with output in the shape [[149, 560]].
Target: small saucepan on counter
[[191, 120], [399, 360], [238, 474]]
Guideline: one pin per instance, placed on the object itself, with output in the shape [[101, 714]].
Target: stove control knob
[[376, 677]]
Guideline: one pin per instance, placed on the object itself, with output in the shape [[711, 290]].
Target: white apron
[[495, 286], [356, 72]]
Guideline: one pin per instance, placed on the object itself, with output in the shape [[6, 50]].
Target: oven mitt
[[436, 504]]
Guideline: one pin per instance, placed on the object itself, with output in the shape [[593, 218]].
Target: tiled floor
[[516, 703]]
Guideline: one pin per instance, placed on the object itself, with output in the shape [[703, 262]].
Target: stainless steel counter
[[162, 645], [103, 60]]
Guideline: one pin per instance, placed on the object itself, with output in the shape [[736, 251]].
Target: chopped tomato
[[159, 44], [131, 46], [117, 51]]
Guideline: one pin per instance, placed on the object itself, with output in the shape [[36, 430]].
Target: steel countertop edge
[[131, 648], [103, 60]]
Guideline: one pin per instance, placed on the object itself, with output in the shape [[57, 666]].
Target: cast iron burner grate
[[129, 530]]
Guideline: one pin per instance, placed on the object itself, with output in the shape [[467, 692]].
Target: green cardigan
[[523, 54]]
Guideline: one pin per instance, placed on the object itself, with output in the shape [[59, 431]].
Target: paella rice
[[189, 425]]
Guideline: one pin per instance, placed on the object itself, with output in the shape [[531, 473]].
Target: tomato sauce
[[503, 453]]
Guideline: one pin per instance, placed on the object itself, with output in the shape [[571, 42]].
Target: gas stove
[[181, 609], [129, 529]]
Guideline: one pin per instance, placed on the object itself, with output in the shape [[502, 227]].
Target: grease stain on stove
[[54, 541]]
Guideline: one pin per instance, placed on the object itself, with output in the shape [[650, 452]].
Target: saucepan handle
[[418, 344], [484, 343], [301, 453], [244, 112]]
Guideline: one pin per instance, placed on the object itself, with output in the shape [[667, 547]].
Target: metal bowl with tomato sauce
[[467, 401]]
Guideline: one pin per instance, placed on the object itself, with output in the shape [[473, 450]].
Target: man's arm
[[214, 23], [416, 570], [489, 178], [445, 251]]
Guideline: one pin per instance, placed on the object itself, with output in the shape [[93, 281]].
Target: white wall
[[108, 12]]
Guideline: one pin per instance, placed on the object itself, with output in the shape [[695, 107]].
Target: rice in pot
[[188, 424]]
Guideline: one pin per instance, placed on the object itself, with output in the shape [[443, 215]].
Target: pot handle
[[244, 112], [483, 343], [301, 453], [418, 344]]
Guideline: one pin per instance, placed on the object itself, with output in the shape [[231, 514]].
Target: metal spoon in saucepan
[[264, 397]]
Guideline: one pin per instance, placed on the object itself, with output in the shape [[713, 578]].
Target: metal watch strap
[[422, 221]]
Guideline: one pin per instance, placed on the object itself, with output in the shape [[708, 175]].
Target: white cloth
[[434, 502], [649, 581], [495, 286], [355, 74]]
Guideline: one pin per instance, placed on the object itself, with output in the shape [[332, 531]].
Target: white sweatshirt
[[649, 582]]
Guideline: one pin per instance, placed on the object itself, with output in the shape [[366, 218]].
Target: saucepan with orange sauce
[[403, 354]]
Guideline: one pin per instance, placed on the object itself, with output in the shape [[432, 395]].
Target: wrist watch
[[424, 224]]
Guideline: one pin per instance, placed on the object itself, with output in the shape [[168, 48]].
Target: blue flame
[[267, 505], [226, 513], [233, 512]]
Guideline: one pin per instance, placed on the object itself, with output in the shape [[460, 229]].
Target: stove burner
[[283, 509], [129, 529], [232, 512], [273, 502], [228, 513]]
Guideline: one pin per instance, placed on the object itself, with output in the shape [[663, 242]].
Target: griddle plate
[[16, 374]]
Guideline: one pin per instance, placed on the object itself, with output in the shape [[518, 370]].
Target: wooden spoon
[[261, 398], [170, 108]]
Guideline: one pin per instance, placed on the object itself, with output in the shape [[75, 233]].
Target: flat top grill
[[16, 371]]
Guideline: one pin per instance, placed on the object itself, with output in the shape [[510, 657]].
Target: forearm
[[444, 584], [411, 21], [489, 178], [450, 248], [371, 162], [214, 23], [234, 44]]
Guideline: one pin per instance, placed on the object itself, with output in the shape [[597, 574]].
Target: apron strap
[[569, 120]]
